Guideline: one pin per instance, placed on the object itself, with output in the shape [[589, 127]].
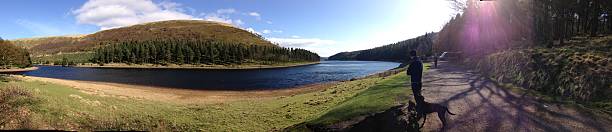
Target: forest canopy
[[485, 27], [393, 52], [198, 52]]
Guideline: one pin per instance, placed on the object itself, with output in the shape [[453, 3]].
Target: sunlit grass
[[386, 94], [392, 91], [66, 108]]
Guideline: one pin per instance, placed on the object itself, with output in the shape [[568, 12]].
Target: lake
[[252, 79]]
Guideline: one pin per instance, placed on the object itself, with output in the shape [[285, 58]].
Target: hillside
[[393, 52], [164, 30]]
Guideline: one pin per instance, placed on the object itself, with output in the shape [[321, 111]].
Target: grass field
[[386, 94], [52, 106], [62, 107]]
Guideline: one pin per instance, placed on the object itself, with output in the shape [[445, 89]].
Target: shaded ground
[[482, 105]]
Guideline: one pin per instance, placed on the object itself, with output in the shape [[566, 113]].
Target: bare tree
[[458, 5]]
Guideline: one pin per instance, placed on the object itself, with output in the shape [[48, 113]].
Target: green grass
[[392, 91], [66, 108], [388, 93]]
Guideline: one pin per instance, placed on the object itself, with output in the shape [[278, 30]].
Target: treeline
[[197, 52], [12, 56], [552, 46], [486, 27], [555, 21], [393, 52]]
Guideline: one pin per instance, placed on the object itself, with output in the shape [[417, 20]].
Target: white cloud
[[266, 31], [170, 5], [255, 14], [219, 19], [301, 42], [238, 22], [295, 36], [252, 30], [226, 11], [223, 15], [118, 13]]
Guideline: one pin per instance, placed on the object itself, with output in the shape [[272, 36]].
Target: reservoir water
[[253, 79]]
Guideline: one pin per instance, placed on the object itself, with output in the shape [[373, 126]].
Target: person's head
[[413, 53]]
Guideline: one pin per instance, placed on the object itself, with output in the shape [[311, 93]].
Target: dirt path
[[481, 105]]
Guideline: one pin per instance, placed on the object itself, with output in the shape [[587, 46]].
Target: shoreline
[[187, 96], [18, 70], [210, 67]]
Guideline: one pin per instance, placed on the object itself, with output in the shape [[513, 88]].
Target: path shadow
[[490, 93]]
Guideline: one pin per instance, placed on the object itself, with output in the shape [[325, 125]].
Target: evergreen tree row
[[547, 23], [197, 52]]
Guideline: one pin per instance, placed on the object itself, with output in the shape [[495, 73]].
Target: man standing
[[435, 61], [415, 71]]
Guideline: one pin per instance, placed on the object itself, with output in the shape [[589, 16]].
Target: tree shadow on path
[[484, 105]]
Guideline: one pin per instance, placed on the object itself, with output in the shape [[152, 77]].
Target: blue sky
[[323, 26]]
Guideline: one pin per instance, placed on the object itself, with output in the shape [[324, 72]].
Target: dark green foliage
[[392, 52], [197, 52], [558, 20], [65, 62], [13, 56], [566, 72]]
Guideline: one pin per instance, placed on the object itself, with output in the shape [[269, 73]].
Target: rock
[[395, 119]]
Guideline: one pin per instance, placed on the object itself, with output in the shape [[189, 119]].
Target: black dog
[[428, 108]]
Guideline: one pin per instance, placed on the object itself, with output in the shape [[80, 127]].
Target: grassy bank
[[578, 71], [55, 106], [389, 92]]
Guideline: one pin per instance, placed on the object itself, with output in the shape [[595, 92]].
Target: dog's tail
[[449, 111]]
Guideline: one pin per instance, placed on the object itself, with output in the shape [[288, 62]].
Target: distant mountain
[[162, 31], [397, 52]]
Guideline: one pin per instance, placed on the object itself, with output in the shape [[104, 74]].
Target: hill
[[393, 52], [163, 30]]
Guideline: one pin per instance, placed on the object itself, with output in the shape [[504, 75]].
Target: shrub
[[581, 75]]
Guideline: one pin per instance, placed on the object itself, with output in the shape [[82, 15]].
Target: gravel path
[[481, 105]]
